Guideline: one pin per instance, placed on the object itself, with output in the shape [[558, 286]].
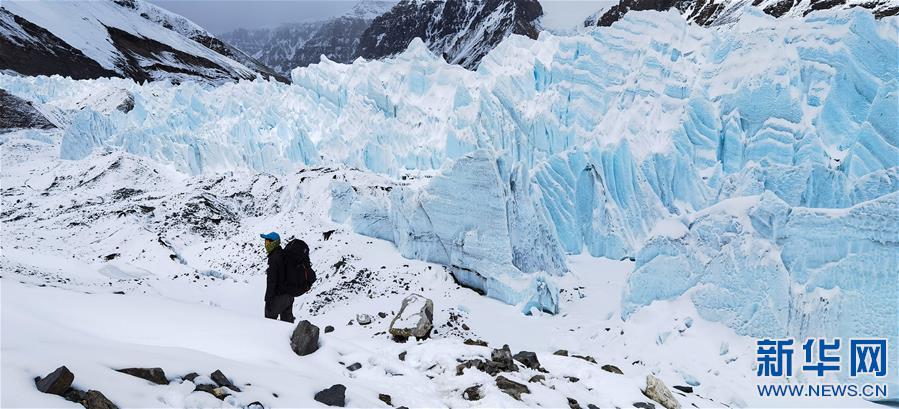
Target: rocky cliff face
[[462, 31], [715, 12]]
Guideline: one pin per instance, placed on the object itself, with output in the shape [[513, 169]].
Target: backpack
[[298, 272]]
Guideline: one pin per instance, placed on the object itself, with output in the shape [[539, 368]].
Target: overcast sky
[[219, 16]]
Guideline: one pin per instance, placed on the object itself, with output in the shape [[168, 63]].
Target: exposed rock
[[501, 359], [363, 319], [657, 391], [402, 356], [96, 400], [561, 352], [328, 329], [190, 377], [354, 367], [471, 363], [304, 339], [592, 406], [333, 396], [572, 379], [472, 393], [477, 342], [612, 369], [512, 388], [19, 113], [415, 318], [644, 405], [683, 388], [528, 359], [537, 378], [382, 314], [327, 235], [56, 382], [572, 403], [155, 375], [587, 358], [255, 405], [205, 388], [385, 398], [74, 395], [221, 380], [220, 393]]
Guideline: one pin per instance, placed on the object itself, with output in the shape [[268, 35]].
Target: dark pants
[[280, 305]]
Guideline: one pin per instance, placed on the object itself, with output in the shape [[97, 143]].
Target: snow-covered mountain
[[461, 31], [123, 38], [715, 12], [299, 44]]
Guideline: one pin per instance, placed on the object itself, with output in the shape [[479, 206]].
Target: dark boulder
[[683, 388], [221, 380], [383, 397], [304, 339], [573, 404], [56, 382], [501, 359], [333, 396], [328, 329], [354, 367], [512, 388], [528, 359], [561, 352], [472, 393], [612, 369], [537, 378], [96, 400], [155, 375]]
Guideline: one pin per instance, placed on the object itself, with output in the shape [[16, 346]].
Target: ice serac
[[768, 269], [476, 218]]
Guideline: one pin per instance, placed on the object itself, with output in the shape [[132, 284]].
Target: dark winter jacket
[[274, 274]]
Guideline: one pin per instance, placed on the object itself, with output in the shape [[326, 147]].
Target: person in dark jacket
[[277, 303]]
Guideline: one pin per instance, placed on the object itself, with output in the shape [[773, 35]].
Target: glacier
[[704, 154]]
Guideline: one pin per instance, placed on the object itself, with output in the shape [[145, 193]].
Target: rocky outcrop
[[462, 31], [18, 113], [715, 12]]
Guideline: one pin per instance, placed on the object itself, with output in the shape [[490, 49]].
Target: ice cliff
[[603, 142]]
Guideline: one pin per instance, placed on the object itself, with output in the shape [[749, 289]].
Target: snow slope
[[127, 38]]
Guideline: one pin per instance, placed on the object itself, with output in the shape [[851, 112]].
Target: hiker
[[277, 302], [289, 274]]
